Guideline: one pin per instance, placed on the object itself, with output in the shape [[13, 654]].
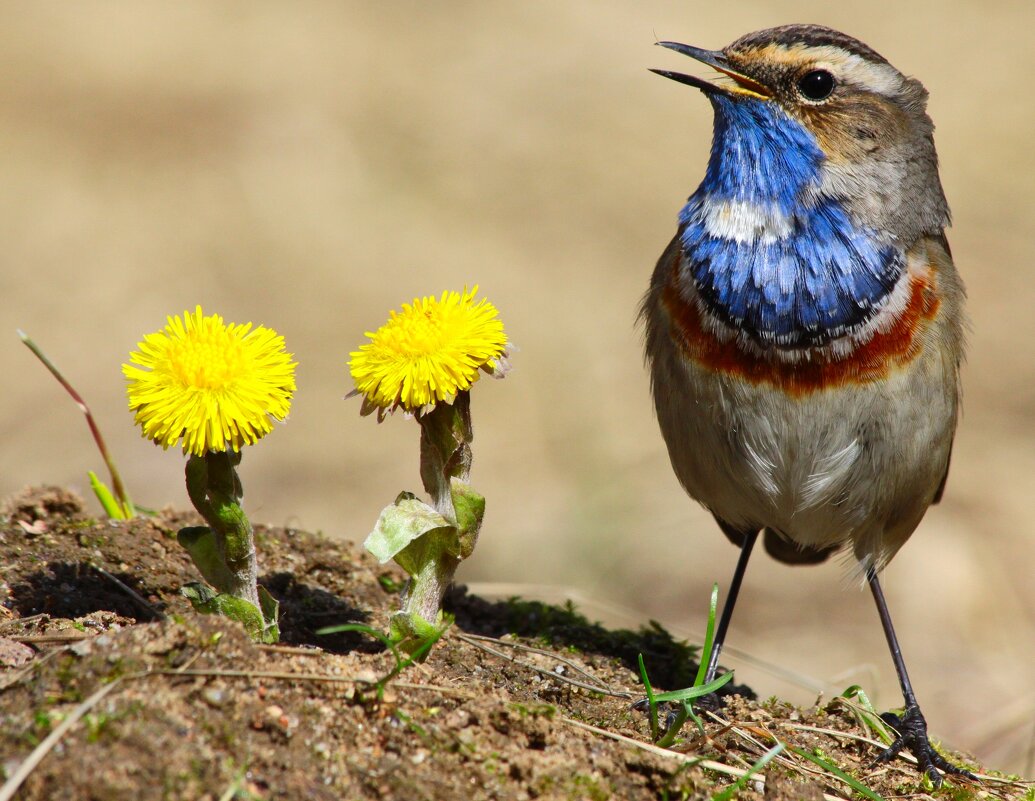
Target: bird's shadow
[[670, 663]]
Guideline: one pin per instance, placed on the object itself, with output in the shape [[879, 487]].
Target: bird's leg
[[911, 726], [747, 543]]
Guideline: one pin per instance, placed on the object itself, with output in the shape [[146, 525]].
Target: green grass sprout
[[742, 782], [696, 691], [418, 653], [116, 502], [706, 654], [830, 767], [858, 703], [709, 636], [652, 702], [685, 696]]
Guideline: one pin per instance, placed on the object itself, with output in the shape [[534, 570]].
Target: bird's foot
[[668, 712], [912, 734]]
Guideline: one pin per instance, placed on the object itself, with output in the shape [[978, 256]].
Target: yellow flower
[[429, 351], [213, 385]]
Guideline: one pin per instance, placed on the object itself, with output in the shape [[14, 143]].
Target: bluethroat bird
[[804, 328]]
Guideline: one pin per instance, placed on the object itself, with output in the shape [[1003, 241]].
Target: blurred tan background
[[310, 165]]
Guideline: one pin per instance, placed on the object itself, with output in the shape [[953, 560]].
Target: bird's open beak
[[743, 86]]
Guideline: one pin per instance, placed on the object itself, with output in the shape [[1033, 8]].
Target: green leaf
[[829, 766], [271, 615], [652, 703], [709, 636], [200, 543], [866, 716], [391, 584], [696, 691], [402, 524], [206, 601], [469, 507], [440, 546], [415, 636], [199, 595], [741, 783], [408, 627]]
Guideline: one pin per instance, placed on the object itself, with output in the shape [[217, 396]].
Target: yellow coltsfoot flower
[[211, 384], [425, 359], [428, 352]]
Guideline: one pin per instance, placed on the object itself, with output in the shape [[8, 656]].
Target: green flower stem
[[430, 541], [215, 490], [427, 588], [445, 455], [445, 450]]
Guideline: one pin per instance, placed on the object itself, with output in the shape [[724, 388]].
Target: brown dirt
[[194, 710], [309, 165]]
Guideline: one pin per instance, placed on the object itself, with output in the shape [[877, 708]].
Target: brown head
[[868, 118]]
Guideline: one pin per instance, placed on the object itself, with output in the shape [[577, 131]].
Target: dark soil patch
[[518, 701]]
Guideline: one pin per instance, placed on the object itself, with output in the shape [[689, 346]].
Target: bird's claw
[[912, 734], [670, 709]]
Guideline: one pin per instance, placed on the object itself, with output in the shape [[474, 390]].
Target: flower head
[[429, 351], [212, 384]]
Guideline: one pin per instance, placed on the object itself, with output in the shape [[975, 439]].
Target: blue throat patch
[[822, 277]]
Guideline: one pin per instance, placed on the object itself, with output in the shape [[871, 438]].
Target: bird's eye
[[816, 85]]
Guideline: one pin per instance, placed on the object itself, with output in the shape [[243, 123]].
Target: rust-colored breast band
[[868, 361]]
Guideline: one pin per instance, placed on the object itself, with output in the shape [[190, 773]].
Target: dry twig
[[596, 688], [138, 599], [707, 764]]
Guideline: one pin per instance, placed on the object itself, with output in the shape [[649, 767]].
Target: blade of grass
[[858, 703], [400, 663], [706, 656], [127, 510], [830, 767], [698, 723], [112, 507], [234, 787], [741, 783], [696, 691], [709, 636], [668, 739], [686, 696], [652, 703]]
